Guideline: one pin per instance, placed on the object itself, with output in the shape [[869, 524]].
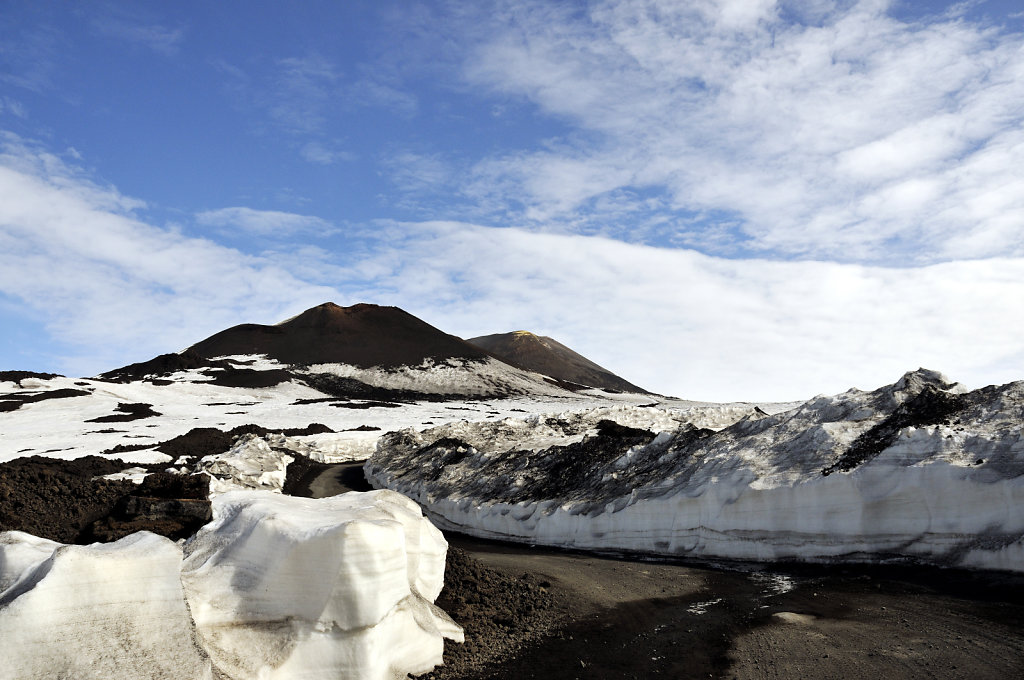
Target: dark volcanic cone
[[547, 356], [362, 335]]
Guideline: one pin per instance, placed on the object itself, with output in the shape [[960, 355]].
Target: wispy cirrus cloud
[[161, 39], [270, 223], [12, 106], [324, 154], [306, 96], [842, 133], [30, 57]]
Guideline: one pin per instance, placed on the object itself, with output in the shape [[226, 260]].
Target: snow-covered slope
[[68, 417], [920, 469], [274, 587]]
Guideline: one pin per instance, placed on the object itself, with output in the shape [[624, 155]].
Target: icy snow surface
[[918, 470], [274, 587]]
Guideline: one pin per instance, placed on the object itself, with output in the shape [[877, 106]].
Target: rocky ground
[[538, 613]]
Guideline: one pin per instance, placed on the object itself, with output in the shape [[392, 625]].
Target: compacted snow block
[[283, 587], [274, 587], [100, 611]]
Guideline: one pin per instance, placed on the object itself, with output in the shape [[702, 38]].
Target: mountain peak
[[362, 335], [550, 357]]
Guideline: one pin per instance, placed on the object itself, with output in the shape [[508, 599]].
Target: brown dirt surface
[[499, 613], [362, 335]]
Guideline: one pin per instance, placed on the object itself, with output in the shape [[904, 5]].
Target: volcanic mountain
[[362, 335], [359, 352], [550, 357]]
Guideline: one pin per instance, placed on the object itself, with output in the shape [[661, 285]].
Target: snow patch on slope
[[487, 377]]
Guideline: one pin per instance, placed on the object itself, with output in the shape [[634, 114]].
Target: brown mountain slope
[[550, 357], [362, 335]]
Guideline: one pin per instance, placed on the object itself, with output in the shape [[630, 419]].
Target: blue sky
[[735, 199]]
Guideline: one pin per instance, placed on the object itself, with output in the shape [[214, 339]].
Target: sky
[[715, 199]]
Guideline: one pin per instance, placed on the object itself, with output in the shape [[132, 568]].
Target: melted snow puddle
[[699, 608], [773, 584]]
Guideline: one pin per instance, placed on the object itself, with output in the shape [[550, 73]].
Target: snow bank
[[919, 470], [273, 587]]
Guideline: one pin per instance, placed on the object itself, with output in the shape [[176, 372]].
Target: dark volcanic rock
[[58, 499], [18, 376], [124, 413], [167, 504], [550, 357], [247, 377], [165, 364], [932, 406], [569, 472], [207, 441], [361, 335], [12, 402]]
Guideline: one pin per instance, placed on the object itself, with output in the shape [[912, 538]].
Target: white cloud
[[111, 285], [271, 223], [697, 326], [835, 138]]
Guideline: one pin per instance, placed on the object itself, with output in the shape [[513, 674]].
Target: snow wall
[[921, 471]]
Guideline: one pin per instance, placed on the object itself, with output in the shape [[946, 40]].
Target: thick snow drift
[[273, 587], [918, 470]]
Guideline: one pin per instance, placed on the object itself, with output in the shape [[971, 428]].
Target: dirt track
[[604, 617], [634, 619]]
